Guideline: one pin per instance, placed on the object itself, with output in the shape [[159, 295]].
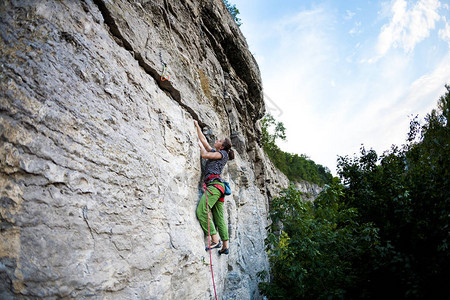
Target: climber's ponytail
[[227, 147], [231, 154]]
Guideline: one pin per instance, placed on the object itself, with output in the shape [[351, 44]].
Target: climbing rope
[[209, 238]]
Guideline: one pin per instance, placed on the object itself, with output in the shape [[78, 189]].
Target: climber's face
[[218, 144]]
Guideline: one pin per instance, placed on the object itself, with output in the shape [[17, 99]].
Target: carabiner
[[164, 75]]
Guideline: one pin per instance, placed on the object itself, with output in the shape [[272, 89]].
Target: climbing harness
[[209, 237], [165, 73], [225, 191]]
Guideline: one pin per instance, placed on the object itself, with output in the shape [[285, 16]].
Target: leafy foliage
[[406, 194], [315, 248], [295, 167], [233, 11], [385, 231]]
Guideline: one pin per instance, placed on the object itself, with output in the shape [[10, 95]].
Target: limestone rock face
[[310, 190], [100, 167], [100, 171]]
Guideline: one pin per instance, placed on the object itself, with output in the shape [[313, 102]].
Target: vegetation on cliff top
[[384, 231], [233, 11], [295, 167]]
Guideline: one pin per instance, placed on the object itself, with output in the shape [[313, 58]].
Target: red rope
[[209, 238]]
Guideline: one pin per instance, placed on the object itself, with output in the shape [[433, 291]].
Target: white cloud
[[348, 15], [429, 86], [356, 29], [390, 99], [303, 52], [333, 83], [408, 27], [331, 100], [444, 33]]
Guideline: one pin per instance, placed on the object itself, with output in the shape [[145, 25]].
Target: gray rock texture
[[100, 168]]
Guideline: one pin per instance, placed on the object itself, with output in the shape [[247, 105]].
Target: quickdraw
[[205, 262], [164, 75], [165, 72]]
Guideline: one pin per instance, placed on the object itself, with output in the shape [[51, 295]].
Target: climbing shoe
[[213, 246], [224, 251]]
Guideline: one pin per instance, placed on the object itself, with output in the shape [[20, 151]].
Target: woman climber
[[215, 162]]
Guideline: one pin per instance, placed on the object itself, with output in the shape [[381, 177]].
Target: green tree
[[271, 132], [406, 194], [315, 248], [295, 167], [384, 232]]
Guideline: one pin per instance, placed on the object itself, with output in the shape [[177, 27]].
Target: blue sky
[[339, 74]]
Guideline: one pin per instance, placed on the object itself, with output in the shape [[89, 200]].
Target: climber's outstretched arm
[[202, 138], [208, 155]]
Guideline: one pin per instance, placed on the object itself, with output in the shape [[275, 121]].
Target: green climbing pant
[[216, 216]]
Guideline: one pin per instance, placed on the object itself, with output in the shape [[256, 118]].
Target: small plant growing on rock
[[233, 11]]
